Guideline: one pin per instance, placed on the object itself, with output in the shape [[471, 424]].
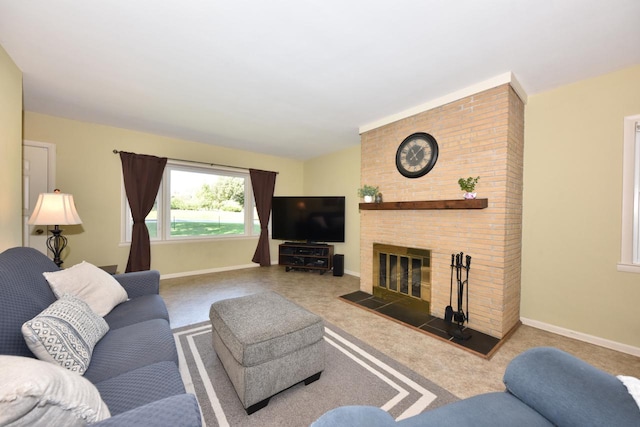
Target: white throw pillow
[[91, 284], [36, 393], [65, 333], [633, 386]]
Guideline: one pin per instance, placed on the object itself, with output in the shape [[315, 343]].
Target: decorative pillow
[[65, 333], [89, 283], [633, 386], [36, 393]]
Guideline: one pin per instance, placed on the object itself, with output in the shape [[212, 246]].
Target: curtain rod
[[200, 163]]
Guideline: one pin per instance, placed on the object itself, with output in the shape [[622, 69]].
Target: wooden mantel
[[427, 204]]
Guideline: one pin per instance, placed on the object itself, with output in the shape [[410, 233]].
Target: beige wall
[[88, 169], [338, 174], [10, 153], [572, 208]]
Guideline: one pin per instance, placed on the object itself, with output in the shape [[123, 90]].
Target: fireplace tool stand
[[460, 316]]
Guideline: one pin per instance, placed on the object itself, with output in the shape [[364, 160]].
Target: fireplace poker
[[448, 311], [467, 283], [460, 315]]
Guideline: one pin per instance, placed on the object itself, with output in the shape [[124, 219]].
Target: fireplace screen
[[400, 271]]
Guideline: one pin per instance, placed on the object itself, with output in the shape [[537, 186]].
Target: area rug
[[355, 374]]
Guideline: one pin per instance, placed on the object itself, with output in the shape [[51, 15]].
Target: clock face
[[417, 155]]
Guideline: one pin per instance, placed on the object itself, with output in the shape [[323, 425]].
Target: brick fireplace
[[479, 135]]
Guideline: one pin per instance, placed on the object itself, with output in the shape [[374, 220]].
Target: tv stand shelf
[[306, 256]]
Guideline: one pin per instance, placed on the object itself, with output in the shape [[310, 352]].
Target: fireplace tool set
[[461, 264]]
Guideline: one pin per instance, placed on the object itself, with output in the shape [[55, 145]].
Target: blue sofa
[[544, 387], [134, 366]]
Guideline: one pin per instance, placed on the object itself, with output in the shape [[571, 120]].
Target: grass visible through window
[[195, 228]]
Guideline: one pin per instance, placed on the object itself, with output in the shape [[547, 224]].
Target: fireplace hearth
[[482, 345]]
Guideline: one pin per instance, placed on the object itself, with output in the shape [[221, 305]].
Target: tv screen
[[311, 219]]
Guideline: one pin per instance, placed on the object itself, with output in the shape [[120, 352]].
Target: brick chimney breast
[[480, 135]]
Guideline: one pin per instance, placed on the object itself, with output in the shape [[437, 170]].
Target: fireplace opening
[[402, 274]]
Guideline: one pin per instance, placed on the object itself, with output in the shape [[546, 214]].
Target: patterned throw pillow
[[65, 333]]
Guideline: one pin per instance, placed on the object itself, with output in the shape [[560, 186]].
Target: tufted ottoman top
[[260, 327]]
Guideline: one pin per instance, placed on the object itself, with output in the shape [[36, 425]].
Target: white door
[[38, 177]]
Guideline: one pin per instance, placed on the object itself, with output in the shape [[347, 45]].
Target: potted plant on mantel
[[368, 192], [468, 185]]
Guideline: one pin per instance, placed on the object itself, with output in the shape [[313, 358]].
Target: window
[[636, 196], [199, 202], [630, 250]]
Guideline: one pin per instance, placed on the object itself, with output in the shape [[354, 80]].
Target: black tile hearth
[[405, 314], [479, 343], [364, 299], [357, 296], [372, 303]]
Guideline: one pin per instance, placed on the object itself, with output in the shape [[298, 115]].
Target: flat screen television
[[312, 219]]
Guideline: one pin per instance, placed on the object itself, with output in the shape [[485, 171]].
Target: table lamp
[[55, 209]]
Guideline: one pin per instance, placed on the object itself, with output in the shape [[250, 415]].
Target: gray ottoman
[[266, 344]]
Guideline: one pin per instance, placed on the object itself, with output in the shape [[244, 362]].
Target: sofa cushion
[[146, 307], [174, 411], [92, 284], [37, 393], [141, 386], [370, 416], [132, 347], [24, 293], [65, 333]]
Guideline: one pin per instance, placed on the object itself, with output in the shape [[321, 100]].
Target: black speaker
[[338, 265]]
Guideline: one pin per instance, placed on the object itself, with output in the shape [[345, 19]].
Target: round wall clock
[[417, 155]]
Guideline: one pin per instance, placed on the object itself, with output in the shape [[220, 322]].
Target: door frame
[[51, 177], [51, 154]]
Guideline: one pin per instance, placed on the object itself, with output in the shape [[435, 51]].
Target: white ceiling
[[296, 78]]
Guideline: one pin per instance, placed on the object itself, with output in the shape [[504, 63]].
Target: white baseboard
[[207, 271], [591, 339], [352, 273], [230, 268]]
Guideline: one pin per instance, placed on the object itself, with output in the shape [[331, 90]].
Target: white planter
[[470, 195], [368, 199]]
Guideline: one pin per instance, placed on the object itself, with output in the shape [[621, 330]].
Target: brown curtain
[[142, 176], [263, 183]]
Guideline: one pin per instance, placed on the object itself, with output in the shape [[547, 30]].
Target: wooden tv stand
[[306, 256]]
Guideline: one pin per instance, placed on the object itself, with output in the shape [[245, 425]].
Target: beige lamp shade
[[55, 209]]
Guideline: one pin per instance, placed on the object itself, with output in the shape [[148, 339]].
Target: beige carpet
[[355, 374]]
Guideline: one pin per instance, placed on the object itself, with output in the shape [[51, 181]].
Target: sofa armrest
[[176, 411], [568, 391], [354, 416], [140, 283]]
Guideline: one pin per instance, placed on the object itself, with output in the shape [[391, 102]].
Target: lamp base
[[56, 244]]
